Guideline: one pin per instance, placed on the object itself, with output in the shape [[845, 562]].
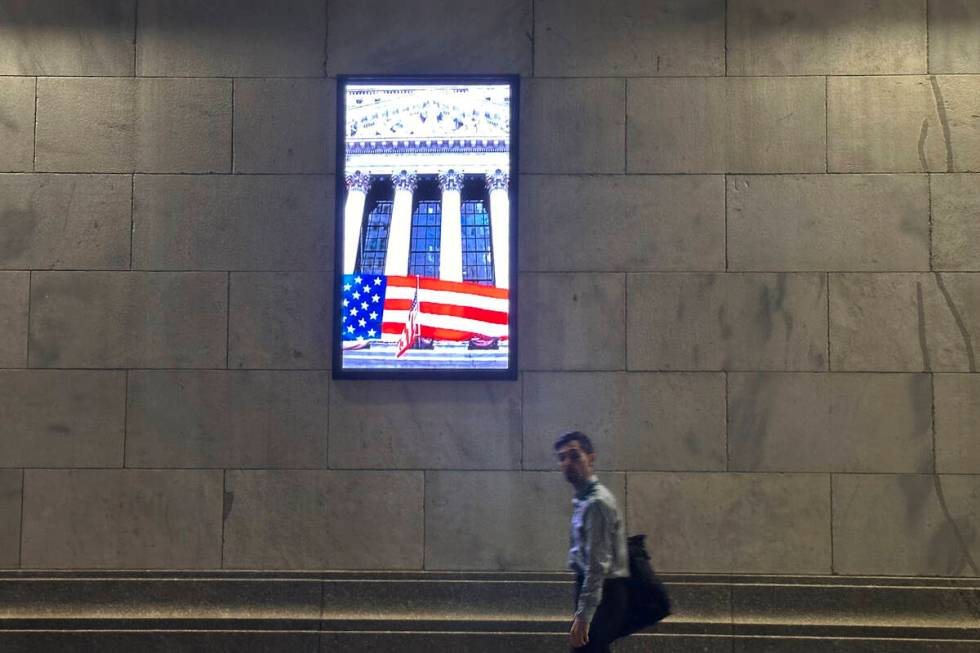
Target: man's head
[[576, 456]]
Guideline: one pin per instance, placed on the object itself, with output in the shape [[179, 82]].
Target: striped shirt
[[597, 544]]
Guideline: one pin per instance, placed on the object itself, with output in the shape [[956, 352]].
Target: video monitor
[[426, 228]]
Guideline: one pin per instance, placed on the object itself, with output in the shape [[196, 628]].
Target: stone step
[[367, 611]]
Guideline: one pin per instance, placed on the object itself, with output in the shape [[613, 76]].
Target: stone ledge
[[731, 607]]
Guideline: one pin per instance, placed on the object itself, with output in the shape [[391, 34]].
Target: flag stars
[[362, 322], [375, 298], [356, 295], [353, 311], [373, 315], [377, 281]]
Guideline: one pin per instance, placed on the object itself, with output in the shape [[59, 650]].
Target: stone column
[[400, 233], [451, 230], [358, 185], [497, 183]]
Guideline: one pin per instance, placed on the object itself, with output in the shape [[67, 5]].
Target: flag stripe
[[448, 322], [426, 283], [431, 308]]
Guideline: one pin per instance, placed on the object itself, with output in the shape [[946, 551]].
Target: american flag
[[377, 307], [411, 329]]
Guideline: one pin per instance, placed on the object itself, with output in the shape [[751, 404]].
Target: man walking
[[597, 550]]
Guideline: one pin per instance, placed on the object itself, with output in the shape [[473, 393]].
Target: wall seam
[[20, 540], [932, 417], [231, 165], [125, 416], [425, 524], [829, 366], [533, 35], [136, 21], [228, 322], [832, 562], [724, 180], [30, 283], [728, 452], [725, 26], [326, 37], [224, 498], [34, 160], [826, 124], [132, 216], [626, 125], [523, 430]]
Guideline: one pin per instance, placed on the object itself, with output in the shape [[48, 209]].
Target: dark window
[[374, 241], [477, 257], [423, 257]]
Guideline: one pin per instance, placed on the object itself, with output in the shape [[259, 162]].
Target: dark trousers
[[609, 616]]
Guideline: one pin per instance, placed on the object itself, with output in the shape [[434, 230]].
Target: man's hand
[[579, 633]]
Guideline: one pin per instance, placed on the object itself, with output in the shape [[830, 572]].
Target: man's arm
[[598, 551]]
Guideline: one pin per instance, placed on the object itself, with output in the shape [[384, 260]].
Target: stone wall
[[749, 246]]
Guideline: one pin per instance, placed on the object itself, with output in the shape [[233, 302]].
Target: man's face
[[574, 463]]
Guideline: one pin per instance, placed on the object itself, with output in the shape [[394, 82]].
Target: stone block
[[280, 320], [425, 425], [726, 322], [956, 222], [16, 119], [65, 221], [234, 222], [647, 223], [953, 43], [572, 321], [957, 423], [430, 36], [844, 422], [717, 124], [903, 124], [904, 322], [906, 524], [573, 125], [128, 319], [723, 523], [501, 520], [61, 418], [828, 222], [226, 419], [638, 421], [143, 125], [638, 38], [66, 37], [14, 289], [122, 519], [231, 38], [323, 520], [797, 37], [10, 500], [285, 125]]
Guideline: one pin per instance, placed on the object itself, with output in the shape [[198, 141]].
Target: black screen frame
[[509, 373]]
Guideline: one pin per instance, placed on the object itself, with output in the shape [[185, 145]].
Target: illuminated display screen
[[426, 228]]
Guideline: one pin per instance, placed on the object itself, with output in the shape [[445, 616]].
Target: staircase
[[374, 612]]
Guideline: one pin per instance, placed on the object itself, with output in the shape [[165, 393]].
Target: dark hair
[[575, 436]]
